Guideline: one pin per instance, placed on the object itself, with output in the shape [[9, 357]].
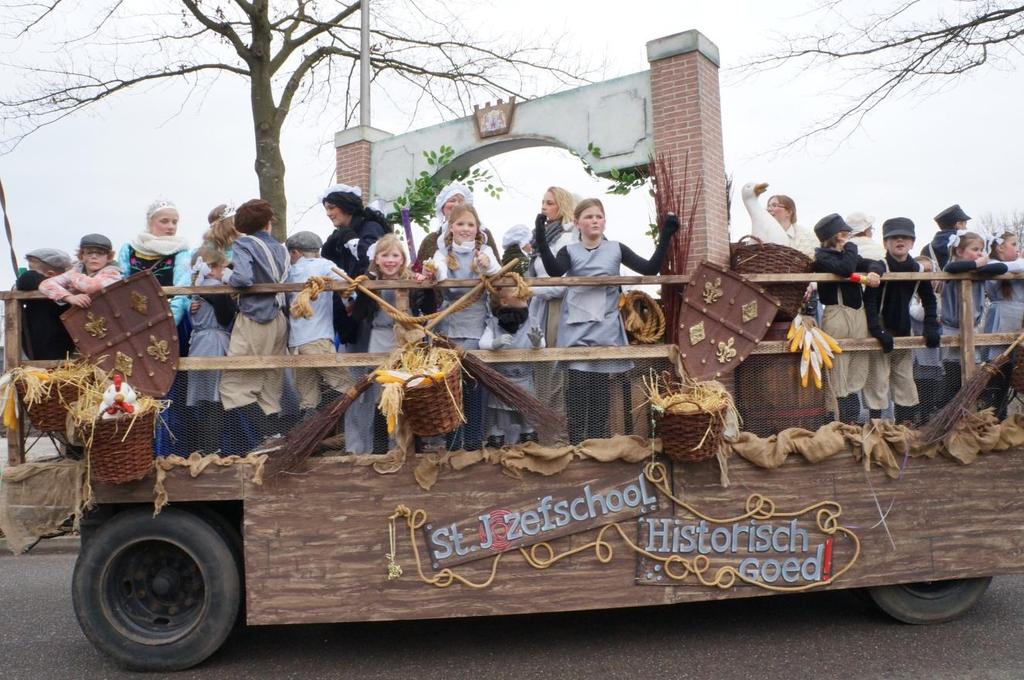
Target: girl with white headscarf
[[452, 195]]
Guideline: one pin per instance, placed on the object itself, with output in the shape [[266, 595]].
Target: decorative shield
[[129, 328], [722, 318]]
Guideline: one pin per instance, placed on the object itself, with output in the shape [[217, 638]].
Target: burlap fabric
[[36, 499]]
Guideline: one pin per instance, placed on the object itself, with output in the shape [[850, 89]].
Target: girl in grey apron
[[590, 314]]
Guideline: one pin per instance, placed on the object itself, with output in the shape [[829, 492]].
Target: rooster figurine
[[118, 399]]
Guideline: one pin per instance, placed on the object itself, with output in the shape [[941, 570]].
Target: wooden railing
[[967, 340]]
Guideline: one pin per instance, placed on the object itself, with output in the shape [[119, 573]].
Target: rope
[[675, 567], [301, 307], [642, 317]]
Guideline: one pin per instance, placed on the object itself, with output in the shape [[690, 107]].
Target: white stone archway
[[614, 115]]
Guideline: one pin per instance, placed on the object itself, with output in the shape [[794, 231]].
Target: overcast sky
[[99, 170]]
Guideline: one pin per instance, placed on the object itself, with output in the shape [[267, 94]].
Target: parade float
[[722, 475]]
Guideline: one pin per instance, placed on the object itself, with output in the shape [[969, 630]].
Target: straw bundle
[[414, 367], [691, 416]]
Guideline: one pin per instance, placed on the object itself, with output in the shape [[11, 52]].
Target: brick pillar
[[688, 119], [352, 156]]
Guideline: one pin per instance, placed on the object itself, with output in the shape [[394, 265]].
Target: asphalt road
[[825, 635]]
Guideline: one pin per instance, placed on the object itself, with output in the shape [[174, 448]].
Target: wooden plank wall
[[315, 544]]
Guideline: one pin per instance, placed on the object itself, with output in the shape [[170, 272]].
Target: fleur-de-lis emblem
[[749, 311], [96, 326], [157, 349], [123, 364], [140, 303], [726, 351], [696, 333], [712, 291]]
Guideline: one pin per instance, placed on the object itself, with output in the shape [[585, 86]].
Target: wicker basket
[[50, 413], [691, 437], [435, 408], [121, 450], [770, 258]]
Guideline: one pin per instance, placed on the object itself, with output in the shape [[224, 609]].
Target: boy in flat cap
[[43, 335], [949, 220], [94, 271], [887, 308], [312, 334], [843, 316]]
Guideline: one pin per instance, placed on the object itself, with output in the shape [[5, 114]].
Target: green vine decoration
[[421, 192]]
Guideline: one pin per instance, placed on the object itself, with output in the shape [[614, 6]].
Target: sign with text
[[563, 511], [787, 552]]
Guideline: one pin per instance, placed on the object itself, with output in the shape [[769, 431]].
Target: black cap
[[829, 226], [95, 241], [951, 215], [898, 226]]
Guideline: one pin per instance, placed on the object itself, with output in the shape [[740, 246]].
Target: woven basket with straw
[[691, 437], [770, 258], [121, 450], [435, 408], [49, 414]]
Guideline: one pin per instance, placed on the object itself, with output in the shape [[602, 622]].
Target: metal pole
[[364, 64]]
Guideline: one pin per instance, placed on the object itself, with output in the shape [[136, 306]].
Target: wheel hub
[[155, 591]]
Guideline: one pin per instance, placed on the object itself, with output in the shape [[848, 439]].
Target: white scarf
[[463, 248], [149, 245]]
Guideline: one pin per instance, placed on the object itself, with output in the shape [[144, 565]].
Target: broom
[[303, 439], [532, 409], [948, 419]]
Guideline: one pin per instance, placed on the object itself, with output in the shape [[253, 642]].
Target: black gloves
[[540, 222], [850, 247], [931, 336], [883, 338], [670, 226]]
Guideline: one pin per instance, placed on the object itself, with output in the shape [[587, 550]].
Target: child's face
[[899, 247], [591, 223], [37, 265], [390, 262], [216, 271], [94, 259], [164, 222], [464, 229], [972, 251], [1007, 251]]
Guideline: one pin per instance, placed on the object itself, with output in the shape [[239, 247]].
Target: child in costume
[[967, 253], [590, 314], [212, 318], [462, 253], [887, 309], [261, 328], [42, 334], [366, 427], [94, 271], [843, 315], [510, 328], [313, 334], [1005, 315]]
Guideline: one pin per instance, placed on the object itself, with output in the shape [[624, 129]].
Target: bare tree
[[911, 47], [293, 51], [1012, 222]]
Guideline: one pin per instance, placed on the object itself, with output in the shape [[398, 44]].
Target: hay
[[38, 383], [84, 413], [687, 396], [409, 367]]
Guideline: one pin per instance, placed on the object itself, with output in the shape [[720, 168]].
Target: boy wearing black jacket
[[888, 315]]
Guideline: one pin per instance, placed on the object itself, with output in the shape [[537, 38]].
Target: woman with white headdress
[[452, 195], [160, 250]]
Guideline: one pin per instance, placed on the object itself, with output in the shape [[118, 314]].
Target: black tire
[[156, 593], [930, 601]]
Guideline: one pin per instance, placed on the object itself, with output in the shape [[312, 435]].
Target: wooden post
[[966, 330], [12, 357]]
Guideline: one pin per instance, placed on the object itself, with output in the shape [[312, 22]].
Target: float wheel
[[929, 601], [157, 593]]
